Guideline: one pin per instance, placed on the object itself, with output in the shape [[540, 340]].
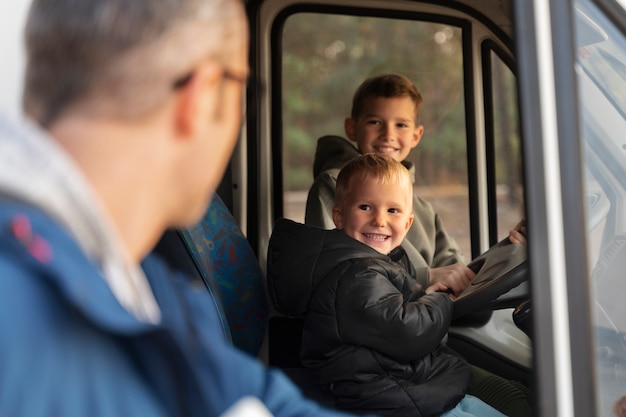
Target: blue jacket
[[67, 347]]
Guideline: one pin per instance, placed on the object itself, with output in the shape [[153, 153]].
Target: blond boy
[[372, 334]]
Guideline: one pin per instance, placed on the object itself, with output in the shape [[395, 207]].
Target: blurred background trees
[[326, 57]]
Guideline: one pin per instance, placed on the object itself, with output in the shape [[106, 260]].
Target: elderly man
[[132, 110]]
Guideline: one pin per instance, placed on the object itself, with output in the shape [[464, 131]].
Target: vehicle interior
[[307, 58]]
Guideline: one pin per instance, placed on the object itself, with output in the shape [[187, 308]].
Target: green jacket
[[427, 243]]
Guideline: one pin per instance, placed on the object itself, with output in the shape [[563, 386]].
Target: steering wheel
[[498, 270]]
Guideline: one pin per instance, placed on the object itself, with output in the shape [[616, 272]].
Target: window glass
[[507, 145], [601, 70], [326, 57]]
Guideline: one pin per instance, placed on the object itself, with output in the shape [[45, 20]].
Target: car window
[[601, 71], [507, 163], [325, 58]]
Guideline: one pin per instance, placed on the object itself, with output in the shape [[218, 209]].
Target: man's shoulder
[[32, 229], [30, 237], [47, 264], [30, 244]]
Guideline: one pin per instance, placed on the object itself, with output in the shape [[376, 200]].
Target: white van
[[525, 117]]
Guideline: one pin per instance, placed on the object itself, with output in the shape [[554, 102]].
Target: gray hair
[[118, 57]]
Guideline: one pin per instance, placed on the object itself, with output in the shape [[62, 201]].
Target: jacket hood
[[35, 170], [332, 152], [293, 266]]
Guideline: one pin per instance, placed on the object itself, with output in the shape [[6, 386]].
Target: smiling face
[[376, 213], [386, 126]]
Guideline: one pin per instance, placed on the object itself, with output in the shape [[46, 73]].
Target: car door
[[571, 71]]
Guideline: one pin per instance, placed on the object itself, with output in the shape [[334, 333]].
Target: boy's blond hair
[[383, 168], [387, 86]]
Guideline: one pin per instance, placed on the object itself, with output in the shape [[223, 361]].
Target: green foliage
[[326, 57]]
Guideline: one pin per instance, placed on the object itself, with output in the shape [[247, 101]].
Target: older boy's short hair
[[118, 58], [384, 168], [387, 86]]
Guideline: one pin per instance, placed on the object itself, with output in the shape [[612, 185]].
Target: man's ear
[[197, 100], [349, 125], [337, 218], [417, 135]]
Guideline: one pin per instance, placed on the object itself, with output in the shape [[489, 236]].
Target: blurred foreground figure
[[132, 109]]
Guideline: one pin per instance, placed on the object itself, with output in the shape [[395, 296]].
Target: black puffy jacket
[[371, 335]]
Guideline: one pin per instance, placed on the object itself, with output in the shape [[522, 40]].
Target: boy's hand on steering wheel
[[518, 234], [456, 277], [439, 287]]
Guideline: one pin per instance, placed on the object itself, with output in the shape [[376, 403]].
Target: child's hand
[[455, 278], [436, 287], [439, 287], [518, 234]]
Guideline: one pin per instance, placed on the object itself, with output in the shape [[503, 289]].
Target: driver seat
[[216, 252]]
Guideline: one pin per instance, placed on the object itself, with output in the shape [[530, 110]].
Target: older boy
[[372, 335], [385, 111]]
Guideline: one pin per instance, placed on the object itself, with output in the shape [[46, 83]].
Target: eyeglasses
[[226, 74]]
